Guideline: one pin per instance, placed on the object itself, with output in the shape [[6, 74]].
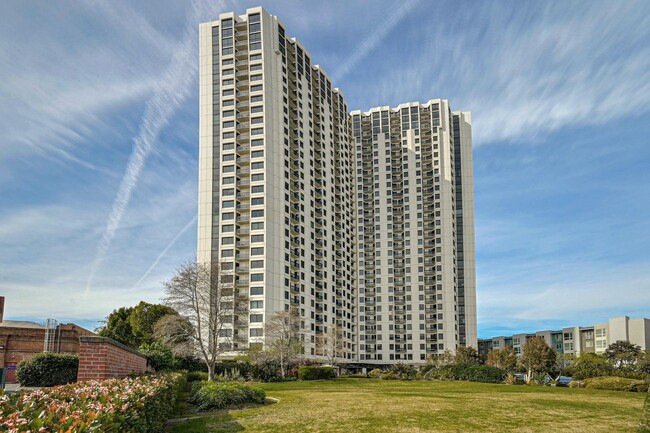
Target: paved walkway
[[11, 388]]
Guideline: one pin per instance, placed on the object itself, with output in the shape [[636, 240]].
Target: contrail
[[169, 93], [378, 34], [162, 254]]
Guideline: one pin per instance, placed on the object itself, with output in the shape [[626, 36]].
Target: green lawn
[[364, 405]]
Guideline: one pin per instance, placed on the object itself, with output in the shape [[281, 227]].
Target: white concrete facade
[[285, 171]]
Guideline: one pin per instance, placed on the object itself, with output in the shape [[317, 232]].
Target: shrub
[[613, 384], [158, 356], [403, 371], [215, 395], [311, 372], [512, 379], [195, 376], [48, 369], [389, 375], [376, 373], [470, 372], [136, 405]]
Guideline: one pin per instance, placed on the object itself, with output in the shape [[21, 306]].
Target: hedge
[[312, 372], [471, 373], [218, 395], [48, 369], [612, 383], [135, 405]]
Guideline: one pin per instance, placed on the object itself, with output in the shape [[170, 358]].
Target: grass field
[[364, 405]]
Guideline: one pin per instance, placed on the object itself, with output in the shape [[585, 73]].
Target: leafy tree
[[207, 306], [143, 318], [623, 353], [590, 365], [504, 358], [160, 357], [467, 355], [283, 338], [133, 326], [118, 327], [537, 357]]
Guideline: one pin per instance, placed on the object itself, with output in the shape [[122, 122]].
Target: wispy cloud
[[528, 71], [191, 223], [377, 33], [168, 96]]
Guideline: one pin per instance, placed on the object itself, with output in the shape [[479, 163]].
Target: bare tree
[[283, 340], [330, 344], [207, 306]]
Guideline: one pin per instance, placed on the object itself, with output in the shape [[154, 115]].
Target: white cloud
[[530, 71]]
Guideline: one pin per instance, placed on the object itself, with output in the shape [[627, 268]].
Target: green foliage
[[136, 405], [504, 358], [48, 369], [401, 371], [196, 376], [589, 365], [133, 326], [613, 384], [538, 357], [214, 395], [243, 367], [512, 379], [469, 372], [623, 353], [159, 356], [375, 373], [467, 355], [312, 372]]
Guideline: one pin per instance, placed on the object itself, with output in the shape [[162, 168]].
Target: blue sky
[[99, 122]]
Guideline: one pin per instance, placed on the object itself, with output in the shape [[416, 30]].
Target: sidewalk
[[11, 388]]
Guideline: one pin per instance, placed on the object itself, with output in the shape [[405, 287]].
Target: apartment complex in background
[[361, 221], [576, 340]]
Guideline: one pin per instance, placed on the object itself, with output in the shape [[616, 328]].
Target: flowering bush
[[138, 405]]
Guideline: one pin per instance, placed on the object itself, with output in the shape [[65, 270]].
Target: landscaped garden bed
[[137, 405]]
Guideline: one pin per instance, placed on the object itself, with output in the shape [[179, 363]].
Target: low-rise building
[[575, 340]]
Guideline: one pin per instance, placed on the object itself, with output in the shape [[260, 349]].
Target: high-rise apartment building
[[362, 221]]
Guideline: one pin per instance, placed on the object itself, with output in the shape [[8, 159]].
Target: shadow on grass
[[212, 422]]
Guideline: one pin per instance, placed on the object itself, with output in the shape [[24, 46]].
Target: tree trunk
[[210, 372]]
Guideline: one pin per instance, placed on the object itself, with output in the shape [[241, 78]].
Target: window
[[256, 77], [256, 318], [257, 332], [228, 215], [257, 304], [257, 277], [257, 165], [257, 290], [229, 124], [257, 188], [257, 120], [228, 169], [257, 109], [228, 192], [228, 180], [228, 113], [257, 142], [257, 226], [257, 238], [228, 82], [257, 201], [227, 228], [257, 154], [255, 88], [259, 251], [256, 264], [256, 98], [227, 241], [227, 253], [257, 213], [228, 157], [228, 203]]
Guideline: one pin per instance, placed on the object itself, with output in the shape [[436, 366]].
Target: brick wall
[[104, 358]]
